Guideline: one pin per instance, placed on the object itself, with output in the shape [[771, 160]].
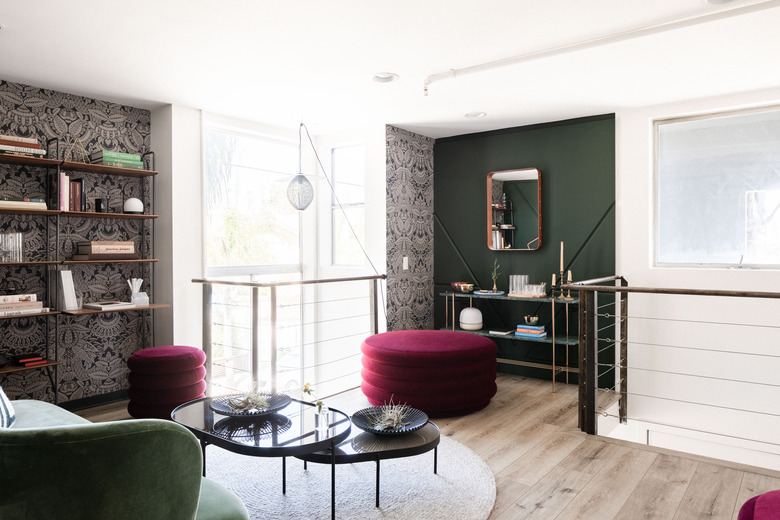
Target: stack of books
[[30, 360], [20, 304], [13, 145], [120, 159], [104, 250], [530, 331]]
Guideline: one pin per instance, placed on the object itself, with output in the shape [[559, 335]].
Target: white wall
[[741, 415], [176, 140]]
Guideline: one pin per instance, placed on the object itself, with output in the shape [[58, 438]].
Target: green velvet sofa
[[55, 464]]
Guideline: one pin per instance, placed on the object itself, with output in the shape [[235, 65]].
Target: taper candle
[[569, 278], [553, 284], [561, 256]]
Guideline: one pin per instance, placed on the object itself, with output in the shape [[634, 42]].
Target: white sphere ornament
[[470, 318], [134, 206]]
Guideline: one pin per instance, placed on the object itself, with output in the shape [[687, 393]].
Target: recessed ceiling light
[[475, 115], [385, 77]]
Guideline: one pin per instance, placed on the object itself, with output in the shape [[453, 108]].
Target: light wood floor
[[546, 468]]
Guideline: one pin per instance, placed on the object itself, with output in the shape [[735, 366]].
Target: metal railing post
[[207, 346], [587, 363], [623, 360], [372, 301], [255, 352], [273, 352]]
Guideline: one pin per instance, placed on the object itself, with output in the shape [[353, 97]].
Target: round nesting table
[[363, 446]]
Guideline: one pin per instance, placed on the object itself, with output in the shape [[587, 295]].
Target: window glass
[[718, 190], [249, 220], [348, 205]]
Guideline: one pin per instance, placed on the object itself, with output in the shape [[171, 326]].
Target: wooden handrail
[[581, 286]]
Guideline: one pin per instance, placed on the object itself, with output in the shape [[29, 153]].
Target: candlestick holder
[[568, 291]]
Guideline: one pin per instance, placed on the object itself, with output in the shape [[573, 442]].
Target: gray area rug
[[463, 488]]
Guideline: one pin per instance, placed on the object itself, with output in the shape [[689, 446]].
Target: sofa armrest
[[146, 468]]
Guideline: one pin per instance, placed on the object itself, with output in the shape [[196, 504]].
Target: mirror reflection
[[514, 209]]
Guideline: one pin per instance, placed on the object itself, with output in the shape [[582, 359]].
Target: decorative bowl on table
[[236, 405], [389, 419], [462, 287]]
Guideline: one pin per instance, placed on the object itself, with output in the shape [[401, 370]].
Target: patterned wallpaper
[[93, 350], [410, 295]]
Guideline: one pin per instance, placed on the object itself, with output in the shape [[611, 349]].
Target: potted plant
[[494, 274]]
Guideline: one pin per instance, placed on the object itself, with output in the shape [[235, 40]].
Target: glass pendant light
[[300, 192]]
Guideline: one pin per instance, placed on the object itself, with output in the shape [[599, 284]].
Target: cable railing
[[688, 369], [276, 336]]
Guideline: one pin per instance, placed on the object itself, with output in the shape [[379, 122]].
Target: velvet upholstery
[[442, 373], [762, 507], [54, 464]]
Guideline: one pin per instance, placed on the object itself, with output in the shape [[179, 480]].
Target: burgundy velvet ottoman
[[162, 378], [762, 507], [443, 373]]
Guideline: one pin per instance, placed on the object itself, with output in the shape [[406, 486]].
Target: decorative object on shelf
[[531, 320], [389, 419], [134, 206], [300, 192], [471, 318], [494, 274], [249, 404], [67, 291], [484, 292], [517, 283], [101, 205], [568, 291], [11, 247], [462, 287], [136, 296], [76, 152], [108, 305]]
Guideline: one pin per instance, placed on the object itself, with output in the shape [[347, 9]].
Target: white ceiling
[[280, 62]]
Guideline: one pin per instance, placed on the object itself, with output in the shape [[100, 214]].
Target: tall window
[[252, 234], [348, 205], [249, 220], [718, 190]]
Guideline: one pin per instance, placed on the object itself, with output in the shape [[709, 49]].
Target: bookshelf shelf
[[109, 170], [84, 312], [138, 261], [31, 315], [92, 214], [18, 368]]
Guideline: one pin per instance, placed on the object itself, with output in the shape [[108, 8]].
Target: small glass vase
[[322, 419]]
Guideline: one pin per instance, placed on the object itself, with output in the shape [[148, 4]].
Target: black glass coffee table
[[288, 432], [363, 446]]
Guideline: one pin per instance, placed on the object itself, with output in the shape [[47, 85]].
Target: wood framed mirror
[[514, 210]]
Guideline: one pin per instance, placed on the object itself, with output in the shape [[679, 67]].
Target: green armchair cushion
[[71, 468]]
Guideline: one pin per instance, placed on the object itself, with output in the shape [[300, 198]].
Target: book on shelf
[[105, 257], [23, 305], [109, 305], [39, 152], [23, 144], [23, 204], [18, 139], [113, 156], [23, 312], [501, 332], [121, 164], [35, 363], [76, 194], [66, 297], [527, 335], [12, 298], [530, 327], [64, 193], [105, 246], [27, 358]]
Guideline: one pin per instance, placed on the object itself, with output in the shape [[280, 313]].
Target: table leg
[[203, 450], [332, 481], [435, 458], [377, 482], [284, 475]]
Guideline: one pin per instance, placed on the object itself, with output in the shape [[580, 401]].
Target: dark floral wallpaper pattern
[[92, 350], [409, 164]]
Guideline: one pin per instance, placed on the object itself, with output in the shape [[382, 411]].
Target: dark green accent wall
[[577, 161]]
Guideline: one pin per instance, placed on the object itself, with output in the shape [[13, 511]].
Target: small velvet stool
[[442, 373], [761, 507], [162, 378]]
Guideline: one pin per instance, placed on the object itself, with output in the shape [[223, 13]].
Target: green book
[[136, 165], [114, 156]]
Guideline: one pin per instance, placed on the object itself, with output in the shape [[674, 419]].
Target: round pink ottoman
[[162, 378], [443, 373]]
